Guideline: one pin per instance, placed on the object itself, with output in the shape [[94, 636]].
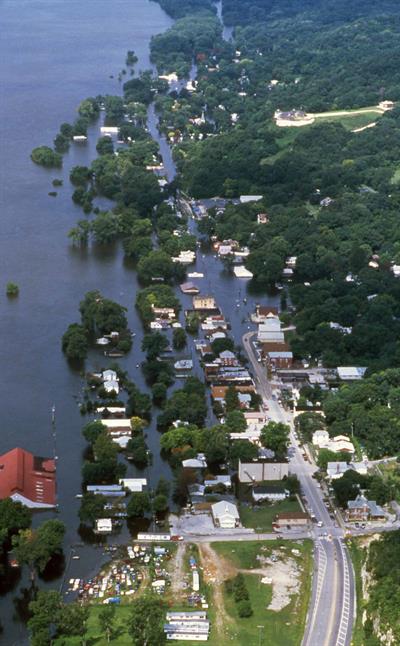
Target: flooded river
[[53, 55]]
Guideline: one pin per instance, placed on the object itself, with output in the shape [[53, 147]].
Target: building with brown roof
[[291, 519]]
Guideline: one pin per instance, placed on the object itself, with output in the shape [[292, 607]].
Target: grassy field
[[351, 122], [278, 628], [94, 636], [260, 518]]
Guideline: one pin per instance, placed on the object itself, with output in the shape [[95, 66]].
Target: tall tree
[[107, 620], [275, 436], [145, 624], [35, 547], [231, 399], [14, 516]]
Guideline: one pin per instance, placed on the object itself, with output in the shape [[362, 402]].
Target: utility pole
[[260, 628], [54, 435]]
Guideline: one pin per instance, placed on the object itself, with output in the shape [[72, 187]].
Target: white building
[[274, 493], [335, 470], [351, 373], [111, 386], [109, 375], [104, 526], [240, 271], [224, 480], [225, 515], [199, 462], [337, 444], [133, 484], [321, 439]]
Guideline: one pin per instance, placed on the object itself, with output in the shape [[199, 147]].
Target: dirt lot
[[201, 525], [215, 571], [284, 574]]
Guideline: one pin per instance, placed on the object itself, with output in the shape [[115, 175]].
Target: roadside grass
[[356, 554], [261, 517], [283, 627]]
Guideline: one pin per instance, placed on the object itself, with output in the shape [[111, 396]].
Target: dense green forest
[[383, 606], [242, 12], [321, 57], [187, 39], [369, 409]]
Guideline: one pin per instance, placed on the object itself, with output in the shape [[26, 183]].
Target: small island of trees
[[12, 289], [45, 156]]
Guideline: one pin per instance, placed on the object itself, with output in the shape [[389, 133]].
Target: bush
[[12, 289], [239, 588], [244, 609]]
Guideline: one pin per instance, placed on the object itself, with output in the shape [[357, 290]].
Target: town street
[[332, 608]]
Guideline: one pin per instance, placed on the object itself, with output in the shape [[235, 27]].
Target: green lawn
[[94, 636], [279, 628], [260, 518], [351, 122]]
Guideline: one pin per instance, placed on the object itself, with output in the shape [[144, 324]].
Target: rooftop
[[27, 478]]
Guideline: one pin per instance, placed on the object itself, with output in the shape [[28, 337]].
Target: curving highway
[[332, 606]]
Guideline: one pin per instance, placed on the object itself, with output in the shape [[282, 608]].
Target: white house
[[111, 386], [104, 526], [337, 444], [225, 515], [321, 439], [133, 484], [224, 480], [199, 462], [274, 493], [109, 375], [335, 470]]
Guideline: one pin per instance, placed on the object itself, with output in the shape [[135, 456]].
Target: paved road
[[332, 608]]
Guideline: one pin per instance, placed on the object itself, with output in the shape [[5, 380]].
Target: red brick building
[[28, 479]]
